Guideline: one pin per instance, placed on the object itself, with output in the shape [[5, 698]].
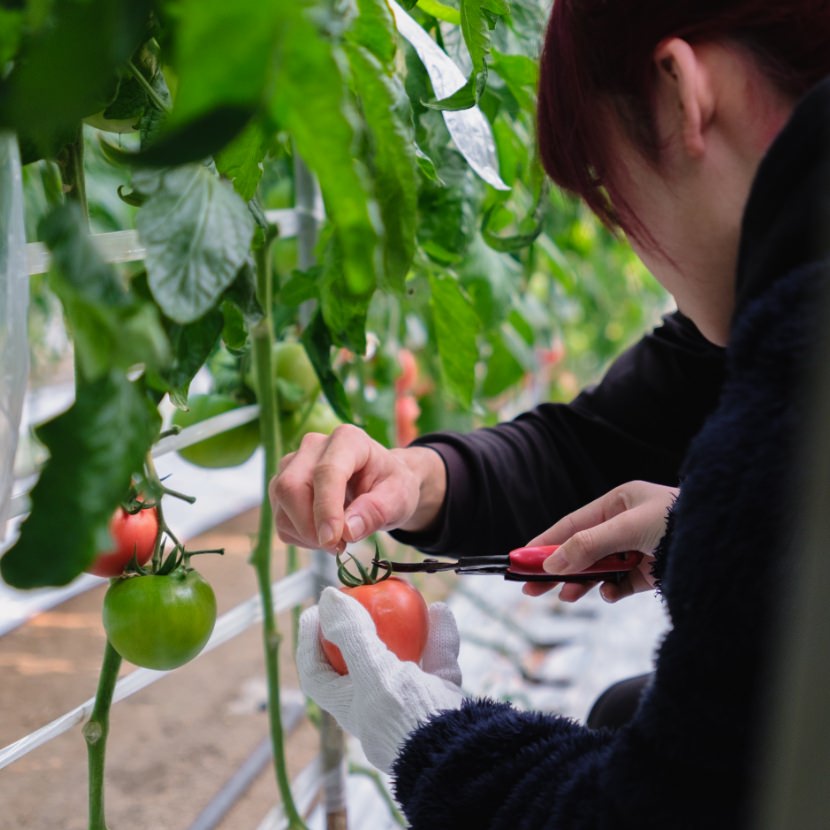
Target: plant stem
[[155, 482], [95, 733], [262, 338], [374, 776], [159, 103], [71, 165]]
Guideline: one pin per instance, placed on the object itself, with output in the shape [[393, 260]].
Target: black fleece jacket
[[686, 759]]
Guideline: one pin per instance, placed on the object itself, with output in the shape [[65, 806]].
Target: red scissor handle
[[528, 562]]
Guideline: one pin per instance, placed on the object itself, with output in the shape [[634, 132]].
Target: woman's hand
[[630, 517], [382, 699], [341, 487]]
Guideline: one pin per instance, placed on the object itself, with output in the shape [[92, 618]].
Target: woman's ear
[[684, 97]]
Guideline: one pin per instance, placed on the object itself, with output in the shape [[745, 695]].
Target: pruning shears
[[523, 565]]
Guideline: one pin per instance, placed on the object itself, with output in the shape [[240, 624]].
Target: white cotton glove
[[382, 699]]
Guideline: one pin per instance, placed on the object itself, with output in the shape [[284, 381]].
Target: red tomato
[[406, 417], [133, 534], [400, 616]]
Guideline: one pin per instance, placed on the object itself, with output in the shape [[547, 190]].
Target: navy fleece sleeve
[[508, 483]]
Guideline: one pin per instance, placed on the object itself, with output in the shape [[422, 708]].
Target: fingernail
[[356, 527], [326, 535]]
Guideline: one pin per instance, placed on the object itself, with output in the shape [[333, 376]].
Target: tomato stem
[[156, 486], [158, 102], [262, 337], [95, 732]]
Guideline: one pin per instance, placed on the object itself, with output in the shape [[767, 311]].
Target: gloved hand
[[382, 699]]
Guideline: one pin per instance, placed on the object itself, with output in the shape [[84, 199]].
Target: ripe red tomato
[[406, 417], [405, 382], [400, 616], [134, 535]]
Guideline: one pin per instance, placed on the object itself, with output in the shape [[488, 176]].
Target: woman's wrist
[[428, 468]]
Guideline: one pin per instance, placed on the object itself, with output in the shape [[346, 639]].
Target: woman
[[701, 129]]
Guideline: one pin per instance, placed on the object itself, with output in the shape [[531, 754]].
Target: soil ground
[[173, 745]]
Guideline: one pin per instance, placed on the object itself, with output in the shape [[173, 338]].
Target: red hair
[[599, 52]]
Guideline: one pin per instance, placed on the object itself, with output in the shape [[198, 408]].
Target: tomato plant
[[134, 536], [396, 607], [160, 621], [228, 449]]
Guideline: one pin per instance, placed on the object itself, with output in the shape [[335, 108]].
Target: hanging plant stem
[[95, 733], [262, 338]]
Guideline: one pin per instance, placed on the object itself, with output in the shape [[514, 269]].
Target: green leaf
[[94, 448], [310, 100], [193, 141], [191, 346], [318, 342], [456, 332], [11, 29], [111, 326], [440, 11], [197, 232], [478, 18], [241, 160], [392, 160], [65, 67], [223, 55], [374, 29], [344, 313]]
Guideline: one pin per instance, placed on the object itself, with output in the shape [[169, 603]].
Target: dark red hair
[[600, 52]]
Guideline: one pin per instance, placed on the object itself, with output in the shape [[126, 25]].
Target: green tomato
[[160, 622], [297, 382], [228, 449], [321, 418]]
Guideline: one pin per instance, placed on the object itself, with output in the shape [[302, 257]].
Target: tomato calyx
[[363, 576]]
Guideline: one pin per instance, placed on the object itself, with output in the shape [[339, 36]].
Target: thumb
[[440, 655]]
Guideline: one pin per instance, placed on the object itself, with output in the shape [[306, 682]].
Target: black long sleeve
[[507, 483]]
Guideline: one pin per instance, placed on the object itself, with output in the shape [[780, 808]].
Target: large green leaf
[[66, 66], [392, 160], [241, 161], [197, 232], [317, 341], [456, 331], [110, 325], [310, 99], [374, 29], [94, 449]]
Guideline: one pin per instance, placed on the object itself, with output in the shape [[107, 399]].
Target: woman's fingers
[[631, 517], [340, 488]]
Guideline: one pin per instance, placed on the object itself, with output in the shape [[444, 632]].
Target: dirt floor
[[172, 745]]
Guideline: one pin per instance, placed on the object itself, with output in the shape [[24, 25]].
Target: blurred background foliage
[[504, 297]]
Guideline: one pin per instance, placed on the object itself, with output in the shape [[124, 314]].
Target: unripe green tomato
[[160, 622], [228, 449], [295, 376], [322, 418]]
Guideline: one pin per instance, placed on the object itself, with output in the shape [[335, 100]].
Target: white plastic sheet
[[14, 301]]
